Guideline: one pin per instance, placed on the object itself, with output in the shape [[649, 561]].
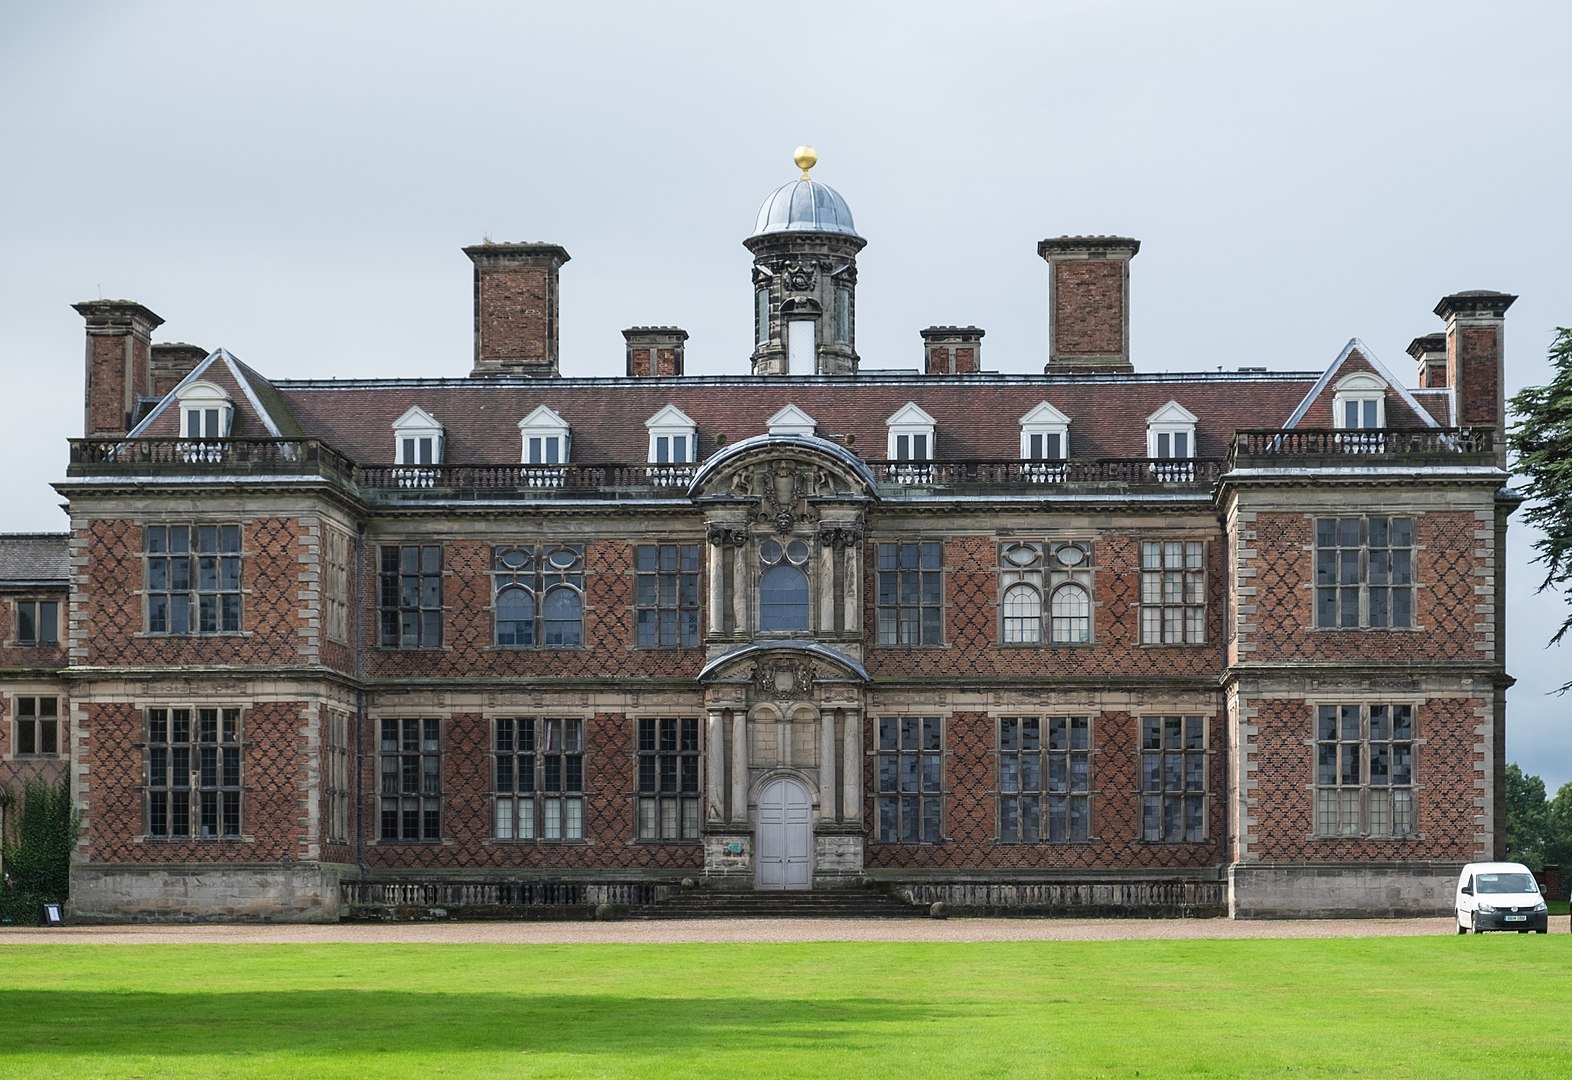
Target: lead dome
[[805, 205]]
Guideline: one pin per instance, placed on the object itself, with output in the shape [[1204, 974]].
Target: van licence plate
[[1517, 918]]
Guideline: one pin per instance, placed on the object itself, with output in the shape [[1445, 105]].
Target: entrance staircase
[[733, 903]]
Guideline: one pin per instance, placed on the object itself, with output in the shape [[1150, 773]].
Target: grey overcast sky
[[293, 181]]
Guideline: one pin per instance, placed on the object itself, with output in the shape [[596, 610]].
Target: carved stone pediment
[[781, 473], [783, 678]]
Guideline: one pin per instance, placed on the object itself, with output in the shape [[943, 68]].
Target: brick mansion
[[1099, 638]]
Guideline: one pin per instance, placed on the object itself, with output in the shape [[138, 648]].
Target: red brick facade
[[733, 635]]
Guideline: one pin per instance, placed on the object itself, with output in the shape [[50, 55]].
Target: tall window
[[38, 622], [668, 778], [193, 773], [1173, 593], [1044, 778], [1060, 569], [911, 593], [335, 592], [193, 578], [1364, 572], [761, 315], [843, 315], [1023, 615], [783, 586], [1364, 770], [911, 779], [666, 595], [539, 595], [1173, 778], [411, 600], [538, 771], [410, 768], [337, 786], [1071, 618], [37, 726]]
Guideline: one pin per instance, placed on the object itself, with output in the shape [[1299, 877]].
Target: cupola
[[804, 249]]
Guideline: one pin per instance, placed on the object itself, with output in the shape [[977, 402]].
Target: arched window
[[1071, 616], [515, 617], [564, 611], [1023, 615], [783, 599]]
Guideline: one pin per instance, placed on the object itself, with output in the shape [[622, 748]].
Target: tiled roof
[[977, 416], [35, 558]]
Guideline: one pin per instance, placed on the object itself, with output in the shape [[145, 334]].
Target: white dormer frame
[[912, 434], [792, 421], [417, 438], [1359, 402], [1045, 434], [1170, 432], [206, 411], [674, 437], [545, 438]]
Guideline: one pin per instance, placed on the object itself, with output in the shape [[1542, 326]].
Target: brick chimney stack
[[1475, 325], [173, 361], [119, 363], [1429, 351], [655, 350], [1088, 303], [516, 308], [952, 350]]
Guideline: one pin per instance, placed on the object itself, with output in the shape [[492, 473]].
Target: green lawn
[[1444, 1006]]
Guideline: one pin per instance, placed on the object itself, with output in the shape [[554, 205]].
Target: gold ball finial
[[806, 158]]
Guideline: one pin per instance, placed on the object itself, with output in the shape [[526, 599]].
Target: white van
[[1500, 896]]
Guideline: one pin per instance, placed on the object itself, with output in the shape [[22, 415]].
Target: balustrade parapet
[[1374, 447], [108, 457]]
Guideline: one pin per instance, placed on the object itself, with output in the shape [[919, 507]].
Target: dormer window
[[674, 445], [911, 438], [546, 442], [1359, 402], [792, 421], [1170, 437], [417, 440], [206, 412], [1045, 443]]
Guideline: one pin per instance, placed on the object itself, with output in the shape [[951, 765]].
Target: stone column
[[827, 766], [826, 575], [739, 584], [717, 583], [739, 766], [851, 753], [853, 577], [715, 768]]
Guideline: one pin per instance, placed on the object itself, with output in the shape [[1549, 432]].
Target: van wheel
[[1461, 929], [1541, 931], [1475, 920]]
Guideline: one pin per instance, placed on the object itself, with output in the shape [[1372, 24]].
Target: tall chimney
[[654, 350], [1475, 325], [516, 308], [119, 363], [173, 361], [1088, 303], [952, 350], [1429, 351]]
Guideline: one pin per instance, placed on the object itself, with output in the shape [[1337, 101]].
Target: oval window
[[1020, 555]]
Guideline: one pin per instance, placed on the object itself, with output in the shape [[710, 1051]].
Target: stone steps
[[704, 903]]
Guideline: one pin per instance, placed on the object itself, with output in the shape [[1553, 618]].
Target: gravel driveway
[[744, 930]]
